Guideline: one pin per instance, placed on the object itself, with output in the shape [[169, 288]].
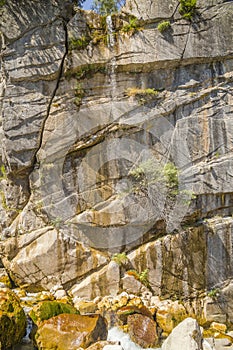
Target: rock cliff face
[[117, 137]]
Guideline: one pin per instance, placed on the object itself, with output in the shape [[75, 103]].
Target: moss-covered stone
[[6, 280], [47, 309], [12, 319]]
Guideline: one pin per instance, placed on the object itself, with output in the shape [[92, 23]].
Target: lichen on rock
[[12, 319], [47, 309]]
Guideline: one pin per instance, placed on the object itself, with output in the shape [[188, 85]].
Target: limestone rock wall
[[117, 138]]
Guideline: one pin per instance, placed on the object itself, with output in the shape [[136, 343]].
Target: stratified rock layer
[[117, 142]]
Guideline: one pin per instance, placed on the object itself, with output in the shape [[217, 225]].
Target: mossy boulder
[[70, 331], [5, 279], [47, 309], [12, 319]]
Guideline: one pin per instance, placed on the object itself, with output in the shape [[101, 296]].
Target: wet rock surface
[[69, 331], [47, 309]]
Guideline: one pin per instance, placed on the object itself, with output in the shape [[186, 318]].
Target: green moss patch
[[47, 309], [12, 319]]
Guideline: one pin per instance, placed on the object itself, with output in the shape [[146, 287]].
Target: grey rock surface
[[114, 143]]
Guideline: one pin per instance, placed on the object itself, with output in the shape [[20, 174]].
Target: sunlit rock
[[169, 314], [69, 331], [187, 335], [48, 309], [142, 330], [118, 148]]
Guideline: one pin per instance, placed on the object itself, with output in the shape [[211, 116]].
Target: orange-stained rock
[[86, 307], [219, 327], [170, 314], [142, 330], [125, 311], [70, 331], [47, 309]]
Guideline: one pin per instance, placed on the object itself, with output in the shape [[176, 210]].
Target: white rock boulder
[[186, 336]]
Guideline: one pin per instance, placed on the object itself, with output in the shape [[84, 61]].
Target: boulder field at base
[[126, 321]]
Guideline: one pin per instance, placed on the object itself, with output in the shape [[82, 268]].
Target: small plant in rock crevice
[[3, 175], [170, 173], [100, 36], [137, 91], [56, 223], [187, 8], [213, 293], [142, 95], [140, 276], [79, 94], [149, 172], [86, 71], [78, 43], [151, 179], [164, 25], [4, 201], [89, 70], [120, 258], [132, 27]]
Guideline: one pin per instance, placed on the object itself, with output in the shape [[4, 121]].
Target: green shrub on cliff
[[142, 95], [213, 293], [142, 276], [164, 25], [170, 173], [79, 94], [120, 258], [3, 174], [187, 8], [78, 43], [149, 172], [132, 27]]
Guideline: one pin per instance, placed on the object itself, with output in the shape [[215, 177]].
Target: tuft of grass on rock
[[164, 25]]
